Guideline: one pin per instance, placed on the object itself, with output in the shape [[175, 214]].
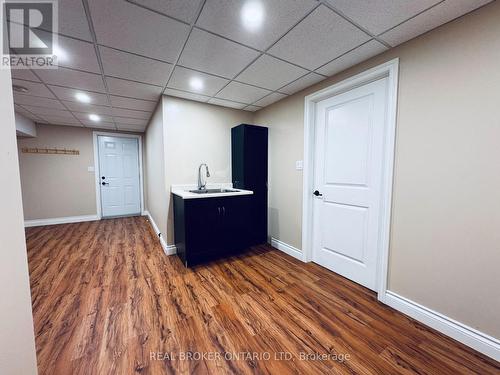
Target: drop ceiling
[[125, 54]]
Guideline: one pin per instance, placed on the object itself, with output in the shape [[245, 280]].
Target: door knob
[[317, 193]]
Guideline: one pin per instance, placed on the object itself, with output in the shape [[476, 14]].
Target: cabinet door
[[255, 157], [203, 225], [238, 156], [236, 217]]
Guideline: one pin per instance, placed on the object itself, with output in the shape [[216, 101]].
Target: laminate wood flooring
[[106, 300]]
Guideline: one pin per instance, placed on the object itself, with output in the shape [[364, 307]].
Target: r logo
[[29, 26]]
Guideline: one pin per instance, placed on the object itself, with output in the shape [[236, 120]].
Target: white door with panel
[[348, 173], [119, 177]]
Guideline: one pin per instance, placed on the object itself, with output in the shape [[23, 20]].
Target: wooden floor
[[107, 300]]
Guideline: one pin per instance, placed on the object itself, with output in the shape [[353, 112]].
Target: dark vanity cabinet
[[249, 171], [211, 228]]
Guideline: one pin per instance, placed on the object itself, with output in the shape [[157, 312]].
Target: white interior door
[[348, 172], [119, 176]]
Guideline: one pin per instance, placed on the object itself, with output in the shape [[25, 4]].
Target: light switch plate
[[299, 165], [90, 169]]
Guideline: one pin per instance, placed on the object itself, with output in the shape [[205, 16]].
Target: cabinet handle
[[218, 209], [224, 211]]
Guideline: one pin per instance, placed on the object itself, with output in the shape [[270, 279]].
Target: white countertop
[[183, 191]]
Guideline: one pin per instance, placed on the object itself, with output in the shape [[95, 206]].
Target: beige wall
[[197, 133], [154, 166], [444, 251], [17, 341], [56, 186]]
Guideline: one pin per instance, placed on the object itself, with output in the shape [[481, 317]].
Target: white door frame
[[389, 70], [98, 174]]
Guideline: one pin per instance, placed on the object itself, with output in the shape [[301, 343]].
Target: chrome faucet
[[201, 184]]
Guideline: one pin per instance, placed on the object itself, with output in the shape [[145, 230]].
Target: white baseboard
[[60, 220], [469, 336], [288, 249], [167, 249], [483, 343]]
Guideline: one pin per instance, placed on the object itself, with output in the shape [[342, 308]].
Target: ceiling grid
[[239, 54]]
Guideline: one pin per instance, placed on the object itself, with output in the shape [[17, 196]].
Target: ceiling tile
[[186, 95], [75, 54], [131, 128], [37, 101], [130, 121], [65, 93], [431, 19], [126, 26], [131, 113], [270, 73], [180, 9], [212, 54], [100, 125], [270, 99], [133, 89], [352, 58], [78, 55], [226, 103], [84, 117], [88, 108], [36, 89], [21, 110], [72, 78], [72, 19], [252, 108], [242, 93], [136, 68], [301, 83], [58, 120], [379, 15], [25, 74], [227, 18], [319, 38], [41, 111], [128, 103], [181, 80]]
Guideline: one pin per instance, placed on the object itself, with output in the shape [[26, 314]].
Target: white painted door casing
[[348, 171]]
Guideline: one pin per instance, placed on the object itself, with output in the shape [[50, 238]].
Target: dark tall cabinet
[[249, 168]]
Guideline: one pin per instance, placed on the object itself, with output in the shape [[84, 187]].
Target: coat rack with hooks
[[55, 151]]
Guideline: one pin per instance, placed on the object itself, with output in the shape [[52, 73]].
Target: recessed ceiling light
[[94, 117], [81, 97], [20, 89], [62, 55], [196, 84], [252, 15]]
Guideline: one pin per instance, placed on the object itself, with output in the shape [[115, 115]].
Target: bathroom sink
[[213, 191]]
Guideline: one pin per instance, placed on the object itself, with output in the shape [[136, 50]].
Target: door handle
[[105, 183], [317, 193]]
